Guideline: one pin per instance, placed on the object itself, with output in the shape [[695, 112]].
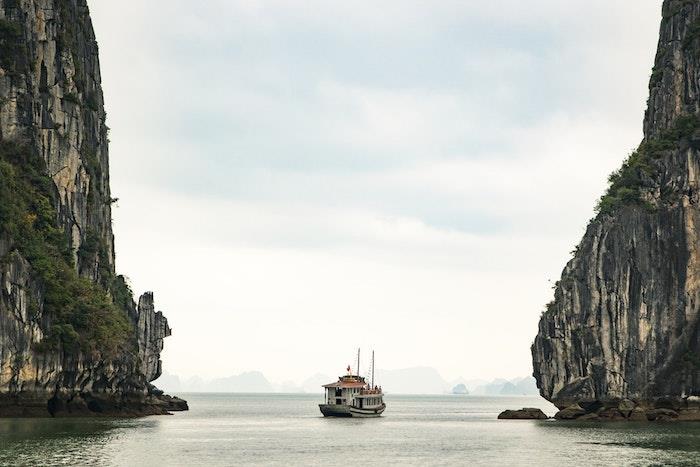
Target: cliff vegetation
[[635, 182], [82, 314]]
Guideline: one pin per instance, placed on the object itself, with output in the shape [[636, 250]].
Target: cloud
[[416, 170]]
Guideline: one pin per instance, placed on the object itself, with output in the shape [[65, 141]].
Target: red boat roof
[[348, 381], [345, 384]]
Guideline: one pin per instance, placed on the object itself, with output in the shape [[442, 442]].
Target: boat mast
[[358, 362], [373, 369]]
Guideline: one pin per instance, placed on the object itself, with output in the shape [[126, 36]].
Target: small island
[[619, 340], [74, 340]]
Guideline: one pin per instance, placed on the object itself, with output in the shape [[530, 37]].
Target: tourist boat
[[352, 396]]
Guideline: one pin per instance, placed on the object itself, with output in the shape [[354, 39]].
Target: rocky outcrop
[[621, 337], [523, 414], [51, 107], [628, 410], [570, 413]]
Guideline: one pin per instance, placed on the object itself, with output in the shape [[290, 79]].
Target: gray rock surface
[[523, 414], [51, 98], [623, 325], [572, 412], [626, 407]]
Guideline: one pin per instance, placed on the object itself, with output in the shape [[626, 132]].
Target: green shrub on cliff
[[10, 44], [121, 293], [657, 76], [91, 102], [82, 314], [89, 246], [627, 185], [551, 307]]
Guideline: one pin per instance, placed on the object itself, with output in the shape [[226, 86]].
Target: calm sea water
[[238, 429]]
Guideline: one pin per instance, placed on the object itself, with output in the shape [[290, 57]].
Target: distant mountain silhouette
[[252, 381], [500, 387], [315, 383], [416, 380]]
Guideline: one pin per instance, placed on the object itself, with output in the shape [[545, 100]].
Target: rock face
[[51, 106], [623, 330]]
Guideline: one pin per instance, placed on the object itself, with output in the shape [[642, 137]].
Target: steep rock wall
[[51, 102], [623, 327]]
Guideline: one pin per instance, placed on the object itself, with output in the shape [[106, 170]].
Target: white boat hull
[[367, 413]]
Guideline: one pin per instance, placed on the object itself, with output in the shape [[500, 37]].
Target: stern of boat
[[334, 410]]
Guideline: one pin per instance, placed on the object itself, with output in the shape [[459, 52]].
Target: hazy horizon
[[412, 183], [411, 381], [298, 381]]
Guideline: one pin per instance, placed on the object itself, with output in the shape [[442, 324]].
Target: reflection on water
[[72, 441], [634, 443], [224, 429], [55, 441]]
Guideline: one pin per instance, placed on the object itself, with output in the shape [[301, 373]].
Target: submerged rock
[[689, 415], [591, 417], [638, 415], [611, 413], [662, 415], [173, 404], [523, 414]]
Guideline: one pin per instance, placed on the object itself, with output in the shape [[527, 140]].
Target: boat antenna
[[373, 369], [358, 362]]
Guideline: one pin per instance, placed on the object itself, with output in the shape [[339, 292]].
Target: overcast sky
[[298, 178]]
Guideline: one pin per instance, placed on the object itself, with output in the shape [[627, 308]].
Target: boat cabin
[[369, 398], [343, 391]]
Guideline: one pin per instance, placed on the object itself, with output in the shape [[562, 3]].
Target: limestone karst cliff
[[621, 337], [72, 338]]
